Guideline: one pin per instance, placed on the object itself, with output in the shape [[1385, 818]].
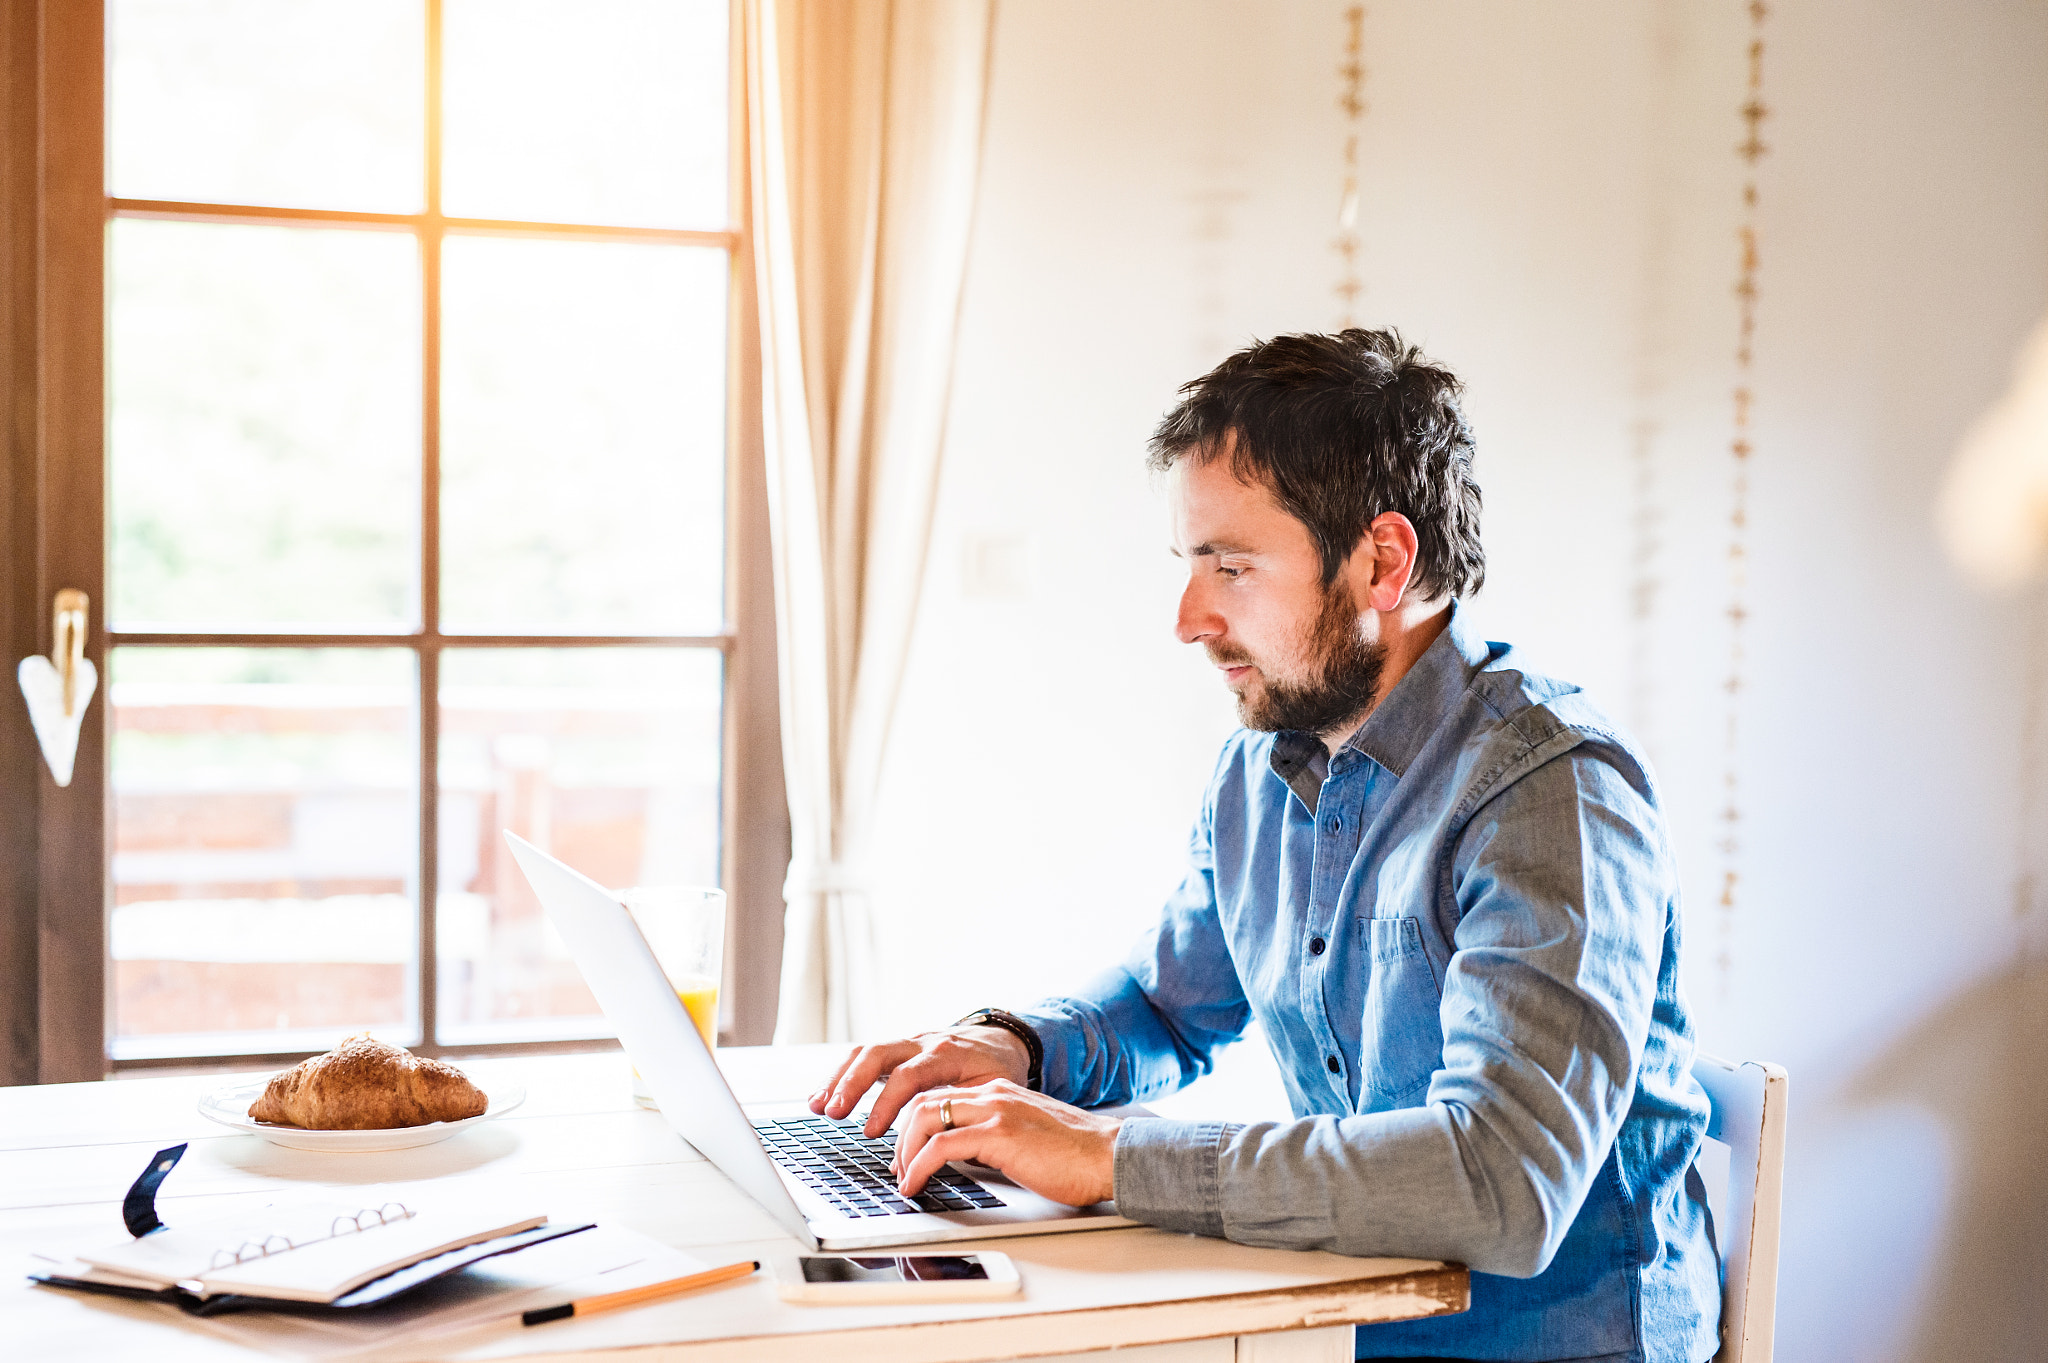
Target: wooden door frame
[[53, 910]]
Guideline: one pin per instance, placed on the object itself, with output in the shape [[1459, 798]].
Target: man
[[1440, 883]]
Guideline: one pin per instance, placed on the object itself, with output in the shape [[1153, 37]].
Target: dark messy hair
[[1344, 428]]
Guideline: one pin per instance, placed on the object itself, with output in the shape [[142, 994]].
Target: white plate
[[230, 1107]]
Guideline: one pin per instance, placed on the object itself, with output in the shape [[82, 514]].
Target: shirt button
[[1315, 946], [1335, 825], [1335, 1068]]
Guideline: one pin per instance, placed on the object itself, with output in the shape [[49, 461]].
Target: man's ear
[[1384, 562]]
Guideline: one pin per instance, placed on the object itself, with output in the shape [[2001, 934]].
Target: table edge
[[1445, 1289]]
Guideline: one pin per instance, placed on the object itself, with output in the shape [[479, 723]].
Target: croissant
[[364, 1085]]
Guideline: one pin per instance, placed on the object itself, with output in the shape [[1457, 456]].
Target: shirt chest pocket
[[1402, 1041]]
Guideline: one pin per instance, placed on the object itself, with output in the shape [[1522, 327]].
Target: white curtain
[[864, 129]]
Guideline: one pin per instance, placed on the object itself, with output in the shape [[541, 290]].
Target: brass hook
[[69, 651]]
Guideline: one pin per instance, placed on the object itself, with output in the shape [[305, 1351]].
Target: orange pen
[[633, 1296]]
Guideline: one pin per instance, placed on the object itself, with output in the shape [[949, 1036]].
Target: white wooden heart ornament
[[43, 688]]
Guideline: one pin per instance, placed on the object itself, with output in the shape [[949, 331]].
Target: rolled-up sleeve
[[1562, 893]]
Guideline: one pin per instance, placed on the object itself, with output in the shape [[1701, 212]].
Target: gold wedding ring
[[945, 1114]]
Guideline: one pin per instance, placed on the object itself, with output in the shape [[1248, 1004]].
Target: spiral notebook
[[311, 1252]]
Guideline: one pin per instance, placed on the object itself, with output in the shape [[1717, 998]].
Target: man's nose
[[1195, 621]]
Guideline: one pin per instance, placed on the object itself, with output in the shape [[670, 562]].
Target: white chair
[[1749, 1119]]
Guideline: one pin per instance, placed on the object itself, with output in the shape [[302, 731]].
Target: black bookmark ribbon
[[138, 1209]]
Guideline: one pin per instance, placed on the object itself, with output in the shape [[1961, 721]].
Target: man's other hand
[[956, 1056], [1054, 1149]]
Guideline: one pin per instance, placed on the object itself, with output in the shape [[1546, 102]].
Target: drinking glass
[[685, 927]]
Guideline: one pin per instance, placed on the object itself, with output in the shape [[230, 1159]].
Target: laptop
[[823, 1181]]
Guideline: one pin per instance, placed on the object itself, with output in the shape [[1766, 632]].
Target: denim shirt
[[1460, 936]]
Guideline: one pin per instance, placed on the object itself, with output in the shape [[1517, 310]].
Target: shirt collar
[[1398, 727], [1301, 761], [1393, 734]]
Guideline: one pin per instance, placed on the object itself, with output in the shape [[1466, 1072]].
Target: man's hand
[[959, 1055], [1055, 1150]]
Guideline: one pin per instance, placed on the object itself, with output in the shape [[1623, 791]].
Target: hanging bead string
[[2033, 681], [1648, 515], [2029, 1017], [1647, 587], [1740, 447], [1350, 99]]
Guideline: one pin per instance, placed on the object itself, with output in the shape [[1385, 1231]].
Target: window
[[427, 510]]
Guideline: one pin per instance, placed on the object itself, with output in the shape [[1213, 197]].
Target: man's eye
[[1231, 573]]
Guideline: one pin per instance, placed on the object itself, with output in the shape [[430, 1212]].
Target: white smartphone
[[852, 1278]]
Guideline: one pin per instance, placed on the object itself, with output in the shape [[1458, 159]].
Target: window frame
[[54, 899]]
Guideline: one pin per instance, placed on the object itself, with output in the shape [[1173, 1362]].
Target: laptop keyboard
[[851, 1172]]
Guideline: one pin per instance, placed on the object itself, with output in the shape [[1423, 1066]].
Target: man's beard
[[1340, 688]]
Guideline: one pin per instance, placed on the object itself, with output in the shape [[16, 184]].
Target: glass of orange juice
[[685, 926]]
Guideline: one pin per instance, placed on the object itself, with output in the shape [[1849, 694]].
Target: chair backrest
[[1749, 1118]]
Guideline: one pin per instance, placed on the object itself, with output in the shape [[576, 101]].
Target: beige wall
[[1550, 203]]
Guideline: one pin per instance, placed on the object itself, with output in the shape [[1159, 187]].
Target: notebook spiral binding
[[363, 1220]]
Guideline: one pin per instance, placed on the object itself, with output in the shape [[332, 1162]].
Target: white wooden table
[[68, 1153]]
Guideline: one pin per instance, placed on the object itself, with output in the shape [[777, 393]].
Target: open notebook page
[[196, 1245], [329, 1268], [316, 1252]]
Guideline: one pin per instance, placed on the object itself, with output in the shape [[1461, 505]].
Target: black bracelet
[[1019, 1028]]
